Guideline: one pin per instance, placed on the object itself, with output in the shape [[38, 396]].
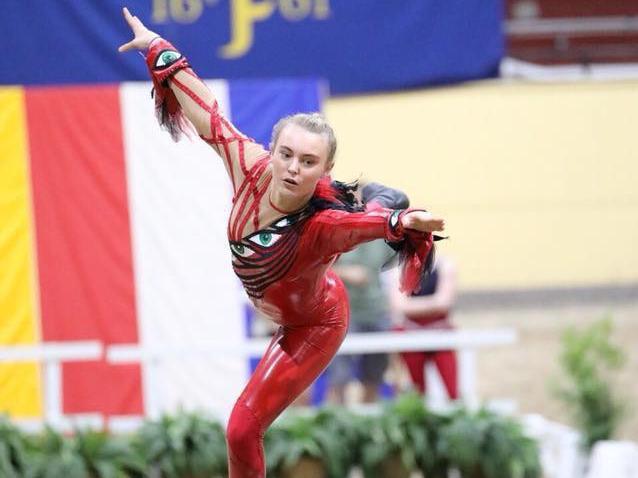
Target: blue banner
[[256, 105], [357, 45]]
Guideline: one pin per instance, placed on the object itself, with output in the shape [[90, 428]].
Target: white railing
[[465, 342], [51, 355]]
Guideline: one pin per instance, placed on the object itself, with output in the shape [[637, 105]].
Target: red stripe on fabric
[[227, 157], [242, 158], [247, 185], [191, 93], [257, 195], [85, 265]]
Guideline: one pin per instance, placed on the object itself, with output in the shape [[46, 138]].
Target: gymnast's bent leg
[[295, 357]]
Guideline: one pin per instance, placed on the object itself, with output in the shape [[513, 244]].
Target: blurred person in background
[[430, 308], [360, 271], [288, 223], [369, 312]]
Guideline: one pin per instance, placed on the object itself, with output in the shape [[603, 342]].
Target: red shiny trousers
[[291, 282], [296, 356], [445, 361]]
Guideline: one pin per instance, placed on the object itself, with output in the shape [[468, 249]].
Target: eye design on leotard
[[283, 222], [265, 238], [394, 219], [266, 255], [167, 58], [242, 250]]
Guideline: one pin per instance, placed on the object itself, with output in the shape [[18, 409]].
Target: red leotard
[[285, 269], [283, 262]]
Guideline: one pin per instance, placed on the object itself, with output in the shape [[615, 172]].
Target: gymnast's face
[[299, 159]]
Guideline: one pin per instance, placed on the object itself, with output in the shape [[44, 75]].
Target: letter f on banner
[[244, 14]]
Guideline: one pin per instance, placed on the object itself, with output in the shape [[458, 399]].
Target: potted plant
[[316, 445], [86, 454], [587, 358], [186, 445], [486, 445], [381, 448], [51, 455], [423, 429], [294, 450], [13, 460], [339, 436], [509, 452], [107, 456], [399, 440]]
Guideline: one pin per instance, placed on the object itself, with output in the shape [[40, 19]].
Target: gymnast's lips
[[290, 182]]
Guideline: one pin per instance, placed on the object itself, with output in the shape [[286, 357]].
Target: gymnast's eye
[[166, 58], [265, 239], [241, 250]]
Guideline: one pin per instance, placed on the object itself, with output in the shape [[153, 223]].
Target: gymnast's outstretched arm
[[179, 91], [340, 231]]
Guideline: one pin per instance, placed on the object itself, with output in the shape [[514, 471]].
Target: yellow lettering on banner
[[160, 11], [295, 10], [186, 11], [322, 9], [182, 11], [244, 14]]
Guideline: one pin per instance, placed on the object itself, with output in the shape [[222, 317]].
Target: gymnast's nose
[[293, 166]]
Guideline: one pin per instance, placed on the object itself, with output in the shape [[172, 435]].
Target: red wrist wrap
[[163, 61], [415, 251]]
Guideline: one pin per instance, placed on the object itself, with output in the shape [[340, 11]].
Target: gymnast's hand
[[423, 221], [143, 36]]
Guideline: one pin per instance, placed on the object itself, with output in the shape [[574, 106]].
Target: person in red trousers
[[430, 308]]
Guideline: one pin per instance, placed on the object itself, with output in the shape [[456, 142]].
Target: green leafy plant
[[486, 445], [587, 358], [187, 445], [51, 455], [13, 460], [328, 438], [404, 437], [339, 437], [107, 456], [85, 454], [400, 440], [300, 438], [423, 429]]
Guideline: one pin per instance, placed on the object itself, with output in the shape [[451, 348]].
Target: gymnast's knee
[[244, 433]]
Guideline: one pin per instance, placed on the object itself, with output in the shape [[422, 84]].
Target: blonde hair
[[313, 122]]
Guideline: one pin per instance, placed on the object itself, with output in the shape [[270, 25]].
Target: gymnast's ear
[[329, 166]]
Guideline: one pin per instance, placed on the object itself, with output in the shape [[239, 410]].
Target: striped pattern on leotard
[[266, 255]]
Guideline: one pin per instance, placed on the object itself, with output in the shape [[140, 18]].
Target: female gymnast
[[288, 223]]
